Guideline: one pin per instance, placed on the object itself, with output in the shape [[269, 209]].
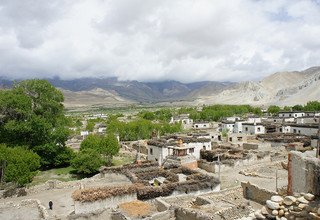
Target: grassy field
[[67, 173], [122, 159], [61, 174]]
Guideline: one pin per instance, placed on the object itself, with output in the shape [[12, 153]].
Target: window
[[204, 125], [259, 129], [246, 128], [299, 131], [196, 126], [151, 151], [230, 139], [280, 129], [294, 131], [239, 138], [191, 150], [204, 147], [289, 115]]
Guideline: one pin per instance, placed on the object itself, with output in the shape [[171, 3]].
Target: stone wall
[[189, 214], [213, 167], [110, 202], [195, 193], [207, 166], [97, 215], [255, 193], [304, 172], [12, 211], [250, 146], [161, 205]]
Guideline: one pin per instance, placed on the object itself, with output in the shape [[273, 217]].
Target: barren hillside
[[95, 97], [282, 88]]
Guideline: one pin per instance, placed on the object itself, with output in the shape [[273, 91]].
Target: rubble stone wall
[[255, 193]]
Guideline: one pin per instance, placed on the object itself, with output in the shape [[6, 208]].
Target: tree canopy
[[32, 115], [20, 164]]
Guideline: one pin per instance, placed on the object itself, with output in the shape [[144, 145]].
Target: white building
[[201, 125], [102, 130], [238, 126], [227, 126], [284, 129], [308, 120], [237, 138], [304, 129], [295, 114], [186, 122], [84, 134], [253, 120], [311, 114], [279, 120], [159, 149], [234, 118], [158, 152], [252, 128]]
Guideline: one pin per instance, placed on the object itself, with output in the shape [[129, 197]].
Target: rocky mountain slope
[[282, 88]]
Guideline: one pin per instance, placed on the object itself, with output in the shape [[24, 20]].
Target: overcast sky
[[152, 40]]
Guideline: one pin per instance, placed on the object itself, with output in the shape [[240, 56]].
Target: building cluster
[[304, 123]]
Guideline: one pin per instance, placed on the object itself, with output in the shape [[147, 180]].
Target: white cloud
[[186, 40]]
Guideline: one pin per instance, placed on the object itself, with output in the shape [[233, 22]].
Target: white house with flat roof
[[308, 120], [304, 129], [186, 122], [201, 125], [227, 126], [253, 128], [294, 114], [159, 149]]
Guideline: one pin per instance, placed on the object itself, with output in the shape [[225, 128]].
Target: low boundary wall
[[255, 193]]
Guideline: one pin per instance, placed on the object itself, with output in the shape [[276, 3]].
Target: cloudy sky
[[152, 40]]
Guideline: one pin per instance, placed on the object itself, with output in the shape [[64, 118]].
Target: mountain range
[[281, 88]]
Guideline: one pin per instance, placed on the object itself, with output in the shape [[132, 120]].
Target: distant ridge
[[281, 88]]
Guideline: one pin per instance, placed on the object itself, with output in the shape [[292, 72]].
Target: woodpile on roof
[[94, 194], [285, 138], [140, 175], [173, 140]]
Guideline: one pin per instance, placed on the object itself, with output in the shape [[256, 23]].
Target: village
[[249, 167]]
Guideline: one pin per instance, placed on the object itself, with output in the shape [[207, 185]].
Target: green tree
[[287, 108], [273, 109], [20, 164], [90, 125], [92, 141], [109, 147], [32, 115], [297, 108], [147, 115], [87, 161], [312, 106]]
